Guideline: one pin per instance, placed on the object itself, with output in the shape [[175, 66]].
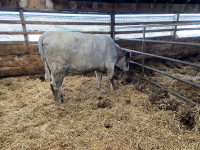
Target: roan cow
[[79, 52]]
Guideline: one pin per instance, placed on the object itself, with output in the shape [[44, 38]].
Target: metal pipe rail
[[174, 77], [168, 90], [156, 30], [165, 58], [167, 74], [160, 24], [165, 42]]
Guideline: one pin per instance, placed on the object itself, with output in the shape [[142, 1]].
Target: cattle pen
[[155, 104]]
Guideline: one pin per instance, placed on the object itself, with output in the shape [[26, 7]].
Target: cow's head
[[123, 61]]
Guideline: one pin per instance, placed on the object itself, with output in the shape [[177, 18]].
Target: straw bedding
[[91, 117]]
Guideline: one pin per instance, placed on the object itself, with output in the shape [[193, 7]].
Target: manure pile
[[90, 117]]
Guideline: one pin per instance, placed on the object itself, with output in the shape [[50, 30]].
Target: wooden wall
[[18, 60]]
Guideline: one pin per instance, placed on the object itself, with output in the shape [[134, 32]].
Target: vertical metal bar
[[143, 46], [112, 25], [175, 29], [24, 27]]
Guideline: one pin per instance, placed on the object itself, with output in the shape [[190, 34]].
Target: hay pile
[[89, 118], [188, 114]]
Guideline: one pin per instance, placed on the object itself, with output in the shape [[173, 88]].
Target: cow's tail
[[42, 53]]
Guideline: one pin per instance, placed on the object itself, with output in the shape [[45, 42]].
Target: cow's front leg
[[56, 86], [99, 77], [110, 74], [57, 94]]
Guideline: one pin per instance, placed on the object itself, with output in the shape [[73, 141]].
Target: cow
[[77, 52]]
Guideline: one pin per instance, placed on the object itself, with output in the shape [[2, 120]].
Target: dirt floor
[[91, 117]]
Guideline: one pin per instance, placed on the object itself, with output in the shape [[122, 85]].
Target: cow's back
[[78, 51]]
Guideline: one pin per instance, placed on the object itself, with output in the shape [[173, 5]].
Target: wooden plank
[[12, 42], [14, 71], [52, 23], [12, 49], [11, 32], [98, 23], [34, 49], [20, 60], [20, 65], [23, 26], [10, 22], [18, 49]]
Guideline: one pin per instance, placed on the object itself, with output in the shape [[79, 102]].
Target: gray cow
[[79, 52]]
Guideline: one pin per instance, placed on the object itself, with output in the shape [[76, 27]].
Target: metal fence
[[165, 58], [108, 21]]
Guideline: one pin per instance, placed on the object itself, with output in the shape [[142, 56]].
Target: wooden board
[[18, 49], [20, 65]]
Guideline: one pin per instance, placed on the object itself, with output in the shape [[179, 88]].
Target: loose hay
[[90, 117]]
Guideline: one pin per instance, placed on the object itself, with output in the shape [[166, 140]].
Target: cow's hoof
[[59, 102], [112, 88]]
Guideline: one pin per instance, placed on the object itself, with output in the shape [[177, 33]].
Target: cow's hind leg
[[110, 74], [56, 85], [99, 77], [47, 73]]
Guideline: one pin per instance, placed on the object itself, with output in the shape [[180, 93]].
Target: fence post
[[175, 29], [24, 27], [143, 46], [112, 25]]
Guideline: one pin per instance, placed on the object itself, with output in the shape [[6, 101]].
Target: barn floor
[[90, 117]]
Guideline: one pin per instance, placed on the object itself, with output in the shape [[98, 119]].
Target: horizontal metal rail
[[163, 24], [167, 74], [116, 32], [165, 42], [141, 24], [172, 92], [165, 58], [40, 32], [156, 30], [52, 23]]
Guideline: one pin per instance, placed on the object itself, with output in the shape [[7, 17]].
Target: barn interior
[[155, 104]]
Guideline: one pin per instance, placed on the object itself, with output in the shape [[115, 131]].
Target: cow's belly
[[86, 65]]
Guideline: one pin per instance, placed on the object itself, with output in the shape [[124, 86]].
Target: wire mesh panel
[[11, 27], [126, 18], [79, 28], [67, 18], [140, 35], [189, 17], [189, 33], [12, 37], [10, 16], [140, 18]]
